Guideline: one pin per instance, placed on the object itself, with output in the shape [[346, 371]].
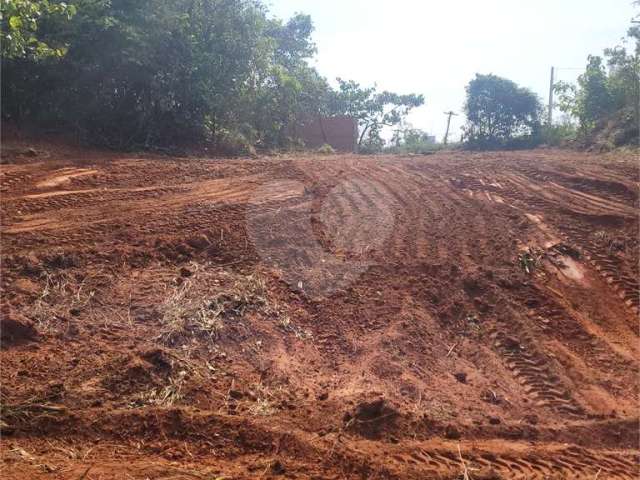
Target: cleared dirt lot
[[320, 317]]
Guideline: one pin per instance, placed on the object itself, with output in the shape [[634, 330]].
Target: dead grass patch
[[190, 310], [64, 295]]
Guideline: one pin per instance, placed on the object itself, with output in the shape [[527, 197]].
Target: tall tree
[[21, 20], [373, 110], [499, 112]]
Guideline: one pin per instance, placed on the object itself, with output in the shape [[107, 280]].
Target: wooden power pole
[[446, 135], [551, 84]]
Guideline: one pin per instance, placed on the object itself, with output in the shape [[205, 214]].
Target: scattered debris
[[530, 259]]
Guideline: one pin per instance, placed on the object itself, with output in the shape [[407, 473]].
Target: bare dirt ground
[[433, 317]]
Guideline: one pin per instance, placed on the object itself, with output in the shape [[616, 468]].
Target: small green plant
[[529, 260], [326, 149]]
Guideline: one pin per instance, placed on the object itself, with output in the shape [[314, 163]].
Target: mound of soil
[[15, 329]]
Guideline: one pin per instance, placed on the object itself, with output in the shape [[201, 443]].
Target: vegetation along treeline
[[154, 74], [601, 110]]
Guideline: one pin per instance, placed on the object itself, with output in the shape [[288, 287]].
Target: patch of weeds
[[285, 323], [26, 411], [246, 292], [326, 149], [62, 295], [168, 395], [188, 311], [182, 316], [262, 408], [473, 322], [265, 399], [529, 259]]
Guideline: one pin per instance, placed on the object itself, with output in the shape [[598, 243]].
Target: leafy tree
[[500, 113], [152, 73], [624, 74], [156, 74], [373, 110], [598, 94], [595, 100], [20, 23], [608, 87], [407, 139]]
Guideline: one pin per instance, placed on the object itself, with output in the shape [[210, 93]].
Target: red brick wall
[[339, 132]]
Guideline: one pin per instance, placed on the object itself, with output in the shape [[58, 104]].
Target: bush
[[234, 143], [500, 114], [558, 135], [326, 149]]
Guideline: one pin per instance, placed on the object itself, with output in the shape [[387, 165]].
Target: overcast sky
[[436, 47]]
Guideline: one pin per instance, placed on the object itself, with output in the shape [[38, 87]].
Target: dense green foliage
[[20, 21], [407, 139], [608, 92], [152, 73], [500, 114], [374, 110]]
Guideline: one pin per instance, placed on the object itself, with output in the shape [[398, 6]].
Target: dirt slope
[[319, 317]]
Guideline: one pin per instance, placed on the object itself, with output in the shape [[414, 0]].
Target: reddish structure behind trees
[[339, 132]]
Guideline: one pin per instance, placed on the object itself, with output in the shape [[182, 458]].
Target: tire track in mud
[[425, 224], [418, 212], [622, 192], [624, 283], [553, 320], [533, 371], [611, 269], [401, 243], [444, 214], [13, 180], [621, 276], [568, 463], [564, 199]]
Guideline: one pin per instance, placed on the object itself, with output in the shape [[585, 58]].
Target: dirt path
[[320, 317]]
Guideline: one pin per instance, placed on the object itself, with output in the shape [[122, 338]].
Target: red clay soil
[[448, 316]]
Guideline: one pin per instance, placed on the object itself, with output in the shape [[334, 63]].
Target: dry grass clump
[[287, 325], [191, 311], [168, 395], [265, 400], [26, 411], [530, 259], [63, 295]]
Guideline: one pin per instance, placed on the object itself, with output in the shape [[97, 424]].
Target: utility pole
[[551, 84], [450, 114]]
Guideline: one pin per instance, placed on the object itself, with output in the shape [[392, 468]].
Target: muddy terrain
[[447, 316]]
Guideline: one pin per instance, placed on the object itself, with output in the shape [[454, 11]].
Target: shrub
[[500, 114], [326, 149]]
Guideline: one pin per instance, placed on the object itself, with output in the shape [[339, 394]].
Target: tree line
[[151, 74], [601, 108]]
